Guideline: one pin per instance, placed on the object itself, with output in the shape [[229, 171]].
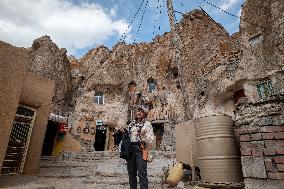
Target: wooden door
[[19, 141]]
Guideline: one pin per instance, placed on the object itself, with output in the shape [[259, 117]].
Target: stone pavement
[[96, 170]]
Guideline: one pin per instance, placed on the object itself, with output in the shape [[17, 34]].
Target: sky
[[80, 25]]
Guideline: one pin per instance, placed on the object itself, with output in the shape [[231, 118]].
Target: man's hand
[[143, 133], [122, 130]]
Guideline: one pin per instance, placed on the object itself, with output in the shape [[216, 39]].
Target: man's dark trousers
[[137, 163]]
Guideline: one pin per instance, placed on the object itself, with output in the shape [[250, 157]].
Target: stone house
[[237, 75], [25, 100], [144, 74], [240, 76]]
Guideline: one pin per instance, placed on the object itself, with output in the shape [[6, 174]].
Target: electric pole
[[177, 57]]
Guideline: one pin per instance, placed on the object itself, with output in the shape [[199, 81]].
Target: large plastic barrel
[[219, 159]]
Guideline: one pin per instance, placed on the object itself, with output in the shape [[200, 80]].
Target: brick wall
[[260, 131]]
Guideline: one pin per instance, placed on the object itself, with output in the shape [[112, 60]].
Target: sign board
[[99, 122]]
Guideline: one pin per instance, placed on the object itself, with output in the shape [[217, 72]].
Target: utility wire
[[123, 37], [141, 21], [181, 4], [240, 44], [161, 8], [156, 17], [235, 17], [124, 34], [179, 12], [265, 28]]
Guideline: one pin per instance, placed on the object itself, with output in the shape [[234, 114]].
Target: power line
[[228, 36], [141, 20], [270, 29], [156, 16], [181, 4], [179, 12], [235, 17], [161, 8], [123, 37]]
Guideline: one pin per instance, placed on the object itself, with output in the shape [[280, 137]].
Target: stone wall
[[262, 38], [205, 46], [139, 62], [260, 129], [13, 70], [220, 72], [259, 116], [50, 62], [20, 87]]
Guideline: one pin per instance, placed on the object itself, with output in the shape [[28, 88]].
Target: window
[[99, 98], [175, 72], [255, 40], [264, 89], [238, 95], [151, 85]]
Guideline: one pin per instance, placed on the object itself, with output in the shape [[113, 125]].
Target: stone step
[[45, 187], [97, 170], [95, 155], [118, 181]]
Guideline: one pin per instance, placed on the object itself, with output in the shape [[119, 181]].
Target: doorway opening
[[100, 138], [158, 131], [49, 139]]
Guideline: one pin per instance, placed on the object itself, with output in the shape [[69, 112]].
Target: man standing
[[141, 136]]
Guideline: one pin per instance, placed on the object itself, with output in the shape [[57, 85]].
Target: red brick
[[274, 143], [269, 129], [279, 135], [276, 176], [268, 165], [280, 151], [257, 153], [279, 159], [280, 167], [237, 132], [245, 138], [253, 144], [272, 176], [246, 152], [267, 135], [246, 131], [256, 136], [280, 176], [281, 128], [269, 152]]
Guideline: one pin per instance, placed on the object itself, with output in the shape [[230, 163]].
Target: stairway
[[86, 170], [99, 170], [14, 157]]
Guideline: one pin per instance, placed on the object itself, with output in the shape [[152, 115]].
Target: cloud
[[239, 12], [227, 4], [70, 25]]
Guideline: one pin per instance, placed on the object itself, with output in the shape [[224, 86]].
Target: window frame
[[264, 89], [99, 97], [152, 84]]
